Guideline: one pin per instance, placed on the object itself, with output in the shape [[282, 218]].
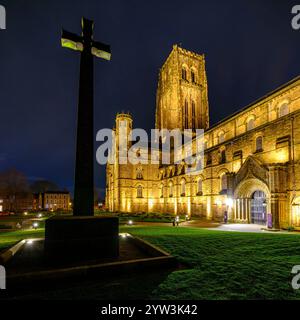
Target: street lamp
[[229, 202]]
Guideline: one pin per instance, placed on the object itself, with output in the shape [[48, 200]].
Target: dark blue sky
[[250, 49]]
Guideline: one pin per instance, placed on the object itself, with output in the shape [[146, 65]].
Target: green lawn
[[220, 265], [8, 239], [226, 265]]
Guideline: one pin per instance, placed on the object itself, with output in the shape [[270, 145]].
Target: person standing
[[225, 217]]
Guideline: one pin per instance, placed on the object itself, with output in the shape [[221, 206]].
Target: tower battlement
[[182, 92]]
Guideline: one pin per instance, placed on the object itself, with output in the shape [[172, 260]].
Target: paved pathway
[[212, 225], [240, 227]]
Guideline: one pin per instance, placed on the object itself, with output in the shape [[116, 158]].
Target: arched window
[[221, 137], [222, 156], [161, 191], [283, 110], [199, 187], [258, 144], [193, 76], [250, 124], [186, 114], [209, 159], [171, 189], [139, 192], [193, 115], [139, 173], [223, 181], [184, 74], [183, 188]]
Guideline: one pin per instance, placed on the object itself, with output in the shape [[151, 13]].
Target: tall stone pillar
[[275, 212], [248, 204]]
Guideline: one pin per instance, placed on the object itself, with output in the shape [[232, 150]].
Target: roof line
[[255, 102]]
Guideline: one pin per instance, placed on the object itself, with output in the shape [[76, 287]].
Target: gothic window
[[139, 192], [199, 187], [258, 144], [283, 110], [193, 77], [193, 115], [221, 137], [184, 74], [223, 181], [250, 124], [171, 189], [186, 114], [182, 188]]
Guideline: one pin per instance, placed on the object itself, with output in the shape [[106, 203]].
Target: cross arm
[[71, 40], [101, 50]]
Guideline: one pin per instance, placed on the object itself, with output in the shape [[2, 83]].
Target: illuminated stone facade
[[52, 201], [251, 163]]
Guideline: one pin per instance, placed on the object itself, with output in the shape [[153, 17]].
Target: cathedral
[[251, 167]]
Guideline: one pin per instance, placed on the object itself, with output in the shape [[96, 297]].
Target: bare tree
[[13, 186]]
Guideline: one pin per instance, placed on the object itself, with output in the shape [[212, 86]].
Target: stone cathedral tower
[[182, 100]]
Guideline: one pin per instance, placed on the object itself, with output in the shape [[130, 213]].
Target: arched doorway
[[258, 208], [251, 202]]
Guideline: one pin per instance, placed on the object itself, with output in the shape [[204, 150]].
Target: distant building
[[16, 203], [52, 201]]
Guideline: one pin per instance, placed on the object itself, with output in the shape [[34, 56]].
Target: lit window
[[199, 186], [224, 181], [183, 188], [171, 190], [221, 137], [250, 124], [283, 110], [139, 174], [139, 192]]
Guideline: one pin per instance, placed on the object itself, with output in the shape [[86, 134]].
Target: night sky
[[250, 49]]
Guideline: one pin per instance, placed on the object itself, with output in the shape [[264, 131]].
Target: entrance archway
[[252, 201], [258, 208]]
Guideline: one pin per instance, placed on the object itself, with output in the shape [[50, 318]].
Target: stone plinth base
[[81, 237]]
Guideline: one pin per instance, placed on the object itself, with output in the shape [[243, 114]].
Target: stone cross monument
[[84, 173]]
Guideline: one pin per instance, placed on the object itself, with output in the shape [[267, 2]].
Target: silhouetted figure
[[225, 217]]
